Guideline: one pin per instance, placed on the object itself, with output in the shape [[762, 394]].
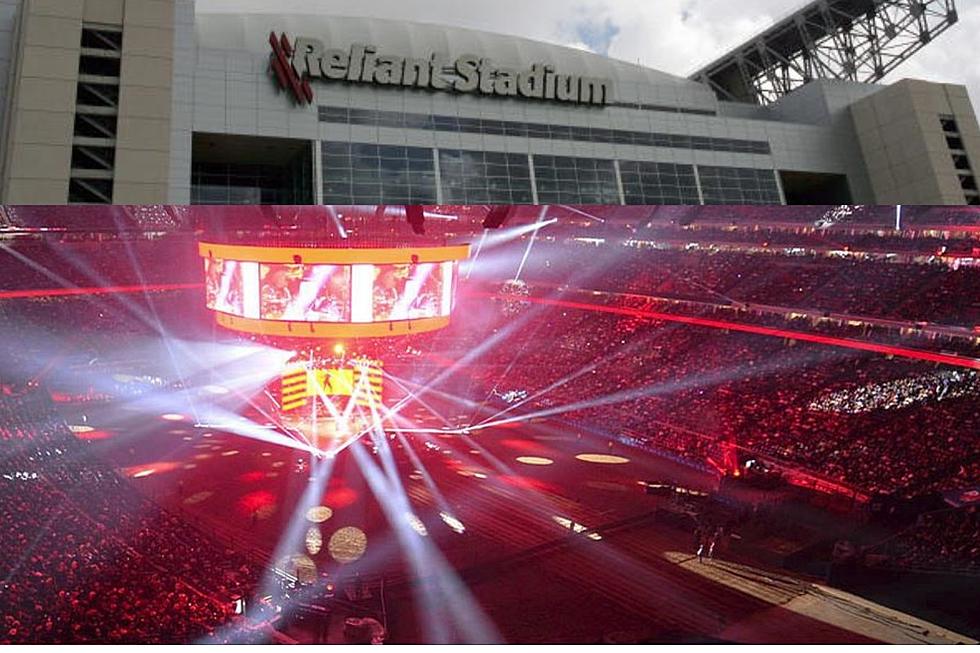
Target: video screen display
[[305, 293], [408, 291], [322, 292], [223, 283]]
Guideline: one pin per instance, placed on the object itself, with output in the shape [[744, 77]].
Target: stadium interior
[[465, 424]]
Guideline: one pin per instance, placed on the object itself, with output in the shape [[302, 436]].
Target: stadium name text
[[469, 73]]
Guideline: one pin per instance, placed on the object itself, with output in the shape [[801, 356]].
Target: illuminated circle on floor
[[319, 514], [314, 540], [534, 460], [264, 512], [602, 458], [233, 452], [300, 566], [198, 497], [77, 428], [215, 390], [416, 524], [172, 417], [347, 544], [144, 473], [266, 454], [190, 466]]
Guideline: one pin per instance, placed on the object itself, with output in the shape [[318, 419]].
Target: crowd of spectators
[[946, 540], [861, 419], [877, 289], [86, 559]]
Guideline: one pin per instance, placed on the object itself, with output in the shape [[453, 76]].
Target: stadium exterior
[[148, 102]]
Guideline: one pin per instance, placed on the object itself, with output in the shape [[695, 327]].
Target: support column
[[619, 182], [438, 173], [697, 182], [534, 181], [317, 172]]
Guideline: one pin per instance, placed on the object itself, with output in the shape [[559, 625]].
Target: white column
[[438, 173], [534, 181], [697, 182], [779, 187], [317, 172], [619, 182]]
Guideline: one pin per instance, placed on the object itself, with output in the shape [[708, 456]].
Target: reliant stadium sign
[[294, 65]]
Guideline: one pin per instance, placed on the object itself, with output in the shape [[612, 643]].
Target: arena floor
[[553, 548]]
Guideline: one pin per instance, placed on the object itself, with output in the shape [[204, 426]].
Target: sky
[[676, 36]]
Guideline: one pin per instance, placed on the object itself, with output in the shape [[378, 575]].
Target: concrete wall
[[907, 157], [39, 123], [142, 172], [9, 10], [42, 91]]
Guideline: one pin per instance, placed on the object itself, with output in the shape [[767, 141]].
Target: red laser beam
[[106, 290], [905, 352]]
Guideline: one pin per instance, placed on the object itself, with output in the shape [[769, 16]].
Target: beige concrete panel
[[37, 191], [891, 106], [929, 104], [45, 127], [142, 166], [53, 32], [62, 8], [962, 108], [39, 161], [150, 13], [956, 90], [875, 159], [145, 102], [143, 133], [146, 71], [46, 94], [936, 143], [148, 41], [50, 63], [972, 145], [905, 173], [104, 11], [136, 193], [863, 115]]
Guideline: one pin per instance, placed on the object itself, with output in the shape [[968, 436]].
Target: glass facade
[[575, 180], [470, 177], [721, 185], [647, 182], [364, 173], [402, 120]]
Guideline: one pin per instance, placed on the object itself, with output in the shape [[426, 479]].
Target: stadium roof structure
[[855, 40]]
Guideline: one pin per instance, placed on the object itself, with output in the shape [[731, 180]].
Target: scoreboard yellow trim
[[337, 255], [331, 329]]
